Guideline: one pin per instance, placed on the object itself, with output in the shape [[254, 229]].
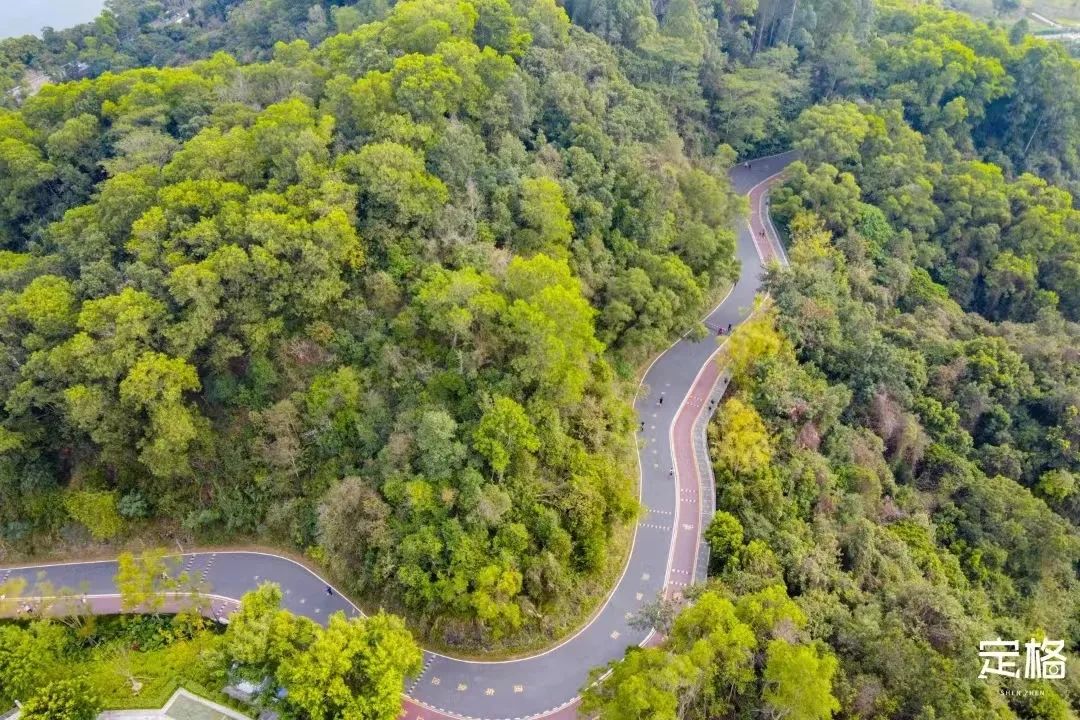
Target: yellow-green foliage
[[935, 564], [185, 663], [97, 511]]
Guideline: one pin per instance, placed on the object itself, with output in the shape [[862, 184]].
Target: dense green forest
[[374, 282], [896, 462], [377, 299]]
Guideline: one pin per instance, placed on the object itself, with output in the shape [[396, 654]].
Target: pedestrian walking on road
[[671, 472], [661, 401], [329, 590], [642, 426], [729, 327]]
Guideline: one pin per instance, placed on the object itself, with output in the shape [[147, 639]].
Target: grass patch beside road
[[111, 669]]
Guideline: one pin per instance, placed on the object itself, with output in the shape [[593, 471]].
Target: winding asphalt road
[[666, 556]]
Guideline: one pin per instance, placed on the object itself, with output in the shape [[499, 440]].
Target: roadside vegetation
[[62, 663]]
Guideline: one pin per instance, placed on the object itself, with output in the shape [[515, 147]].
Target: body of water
[[27, 17]]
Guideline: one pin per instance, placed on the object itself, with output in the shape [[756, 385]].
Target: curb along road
[[667, 555]]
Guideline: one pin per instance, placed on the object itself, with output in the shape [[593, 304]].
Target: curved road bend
[[664, 556]]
